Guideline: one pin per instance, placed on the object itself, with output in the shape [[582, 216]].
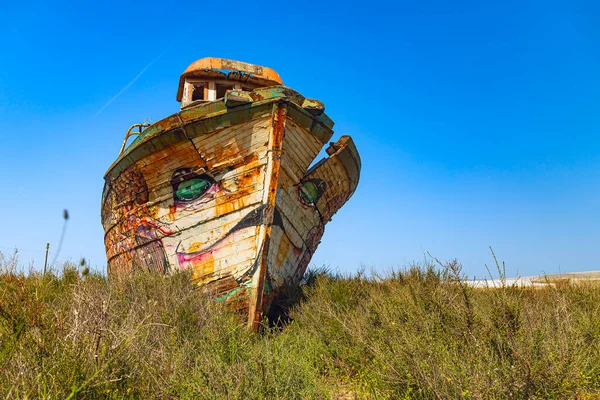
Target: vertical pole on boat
[[46, 261]]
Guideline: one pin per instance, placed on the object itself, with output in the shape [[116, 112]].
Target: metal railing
[[130, 133]]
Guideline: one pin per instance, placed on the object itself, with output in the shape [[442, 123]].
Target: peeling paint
[[223, 188]]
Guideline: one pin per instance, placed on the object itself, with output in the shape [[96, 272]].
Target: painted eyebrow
[[182, 174], [221, 171]]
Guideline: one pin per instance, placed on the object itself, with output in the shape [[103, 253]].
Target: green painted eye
[[309, 193], [191, 189]]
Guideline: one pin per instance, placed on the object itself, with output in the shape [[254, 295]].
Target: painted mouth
[[186, 260], [189, 259], [252, 219]]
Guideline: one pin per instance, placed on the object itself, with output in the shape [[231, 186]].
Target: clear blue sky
[[478, 124]]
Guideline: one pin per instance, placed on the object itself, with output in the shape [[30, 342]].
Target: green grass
[[415, 333]]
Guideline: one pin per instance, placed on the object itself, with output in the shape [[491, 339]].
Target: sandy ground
[[539, 280]]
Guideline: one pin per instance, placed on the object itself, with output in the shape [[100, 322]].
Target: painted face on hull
[[215, 209], [198, 205], [203, 215], [133, 242], [305, 207], [201, 207]]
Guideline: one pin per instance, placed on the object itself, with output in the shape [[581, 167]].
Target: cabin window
[[221, 89], [198, 91]]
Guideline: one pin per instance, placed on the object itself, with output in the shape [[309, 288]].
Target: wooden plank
[[302, 144], [311, 144], [231, 143]]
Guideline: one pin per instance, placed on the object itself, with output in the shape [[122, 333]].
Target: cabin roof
[[210, 67]]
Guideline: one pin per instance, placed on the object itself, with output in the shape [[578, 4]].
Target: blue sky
[[477, 123]]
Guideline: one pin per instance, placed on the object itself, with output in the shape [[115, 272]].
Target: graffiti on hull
[[225, 187]]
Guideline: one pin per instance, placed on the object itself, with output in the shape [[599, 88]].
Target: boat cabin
[[208, 79]]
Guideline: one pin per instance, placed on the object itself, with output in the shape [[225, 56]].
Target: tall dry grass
[[414, 333]]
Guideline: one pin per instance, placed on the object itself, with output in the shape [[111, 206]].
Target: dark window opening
[[221, 89], [198, 91], [247, 89]]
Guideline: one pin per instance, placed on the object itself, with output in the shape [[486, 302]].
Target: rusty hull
[[224, 188]]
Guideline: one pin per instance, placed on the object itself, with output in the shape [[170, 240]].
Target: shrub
[[418, 332]]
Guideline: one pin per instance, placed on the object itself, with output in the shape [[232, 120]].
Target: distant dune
[[539, 280]]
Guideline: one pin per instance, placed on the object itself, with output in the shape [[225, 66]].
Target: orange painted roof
[[210, 67]]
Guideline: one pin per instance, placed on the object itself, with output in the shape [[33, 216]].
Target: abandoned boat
[[224, 188]]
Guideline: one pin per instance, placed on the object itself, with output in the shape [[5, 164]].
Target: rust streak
[[256, 306]]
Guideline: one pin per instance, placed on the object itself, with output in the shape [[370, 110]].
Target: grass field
[[414, 333]]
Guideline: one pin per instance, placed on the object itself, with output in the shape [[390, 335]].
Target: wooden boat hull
[[224, 188]]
